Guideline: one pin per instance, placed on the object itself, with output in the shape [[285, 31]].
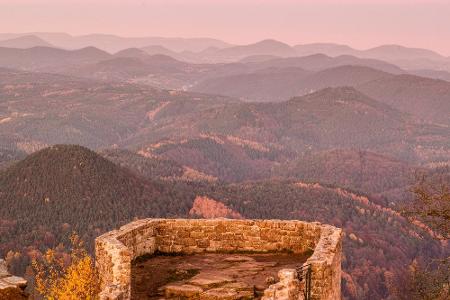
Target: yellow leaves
[[79, 282], [60, 278]]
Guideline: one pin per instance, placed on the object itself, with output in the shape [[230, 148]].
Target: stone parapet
[[116, 249]]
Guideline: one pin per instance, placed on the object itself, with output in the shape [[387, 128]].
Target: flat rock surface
[[208, 276], [184, 290], [209, 280]]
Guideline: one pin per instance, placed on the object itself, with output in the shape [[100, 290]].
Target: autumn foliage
[[72, 276]]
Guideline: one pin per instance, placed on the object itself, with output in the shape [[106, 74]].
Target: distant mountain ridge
[[390, 58], [405, 57], [48, 58], [24, 42], [383, 52], [265, 47], [114, 43], [209, 49], [272, 85], [164, 71]]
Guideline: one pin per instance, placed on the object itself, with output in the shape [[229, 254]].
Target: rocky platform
[[209, 276]]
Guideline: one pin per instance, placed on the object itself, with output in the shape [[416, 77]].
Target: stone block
[[209, 281], [184, 291], [3, 269], [15, 281], [287, 274]]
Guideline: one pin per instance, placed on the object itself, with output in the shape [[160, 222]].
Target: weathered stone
[[5, 285], [9, 284], [182, 291], [15, 281], [239, 286], [287, 274], [270, 280], [238, 258], [3, 269], [209, 280], [220, 294]]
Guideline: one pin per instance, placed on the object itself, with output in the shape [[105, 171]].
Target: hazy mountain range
[[113, 43], [213, 50]]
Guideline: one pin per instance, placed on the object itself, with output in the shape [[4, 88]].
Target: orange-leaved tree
[[66, 276]]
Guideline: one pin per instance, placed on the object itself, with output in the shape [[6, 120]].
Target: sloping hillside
[[342, 117], [367, 172], [74, 188], [227, 158], [8, 157], [40, 108], [327, 119], [146, 166], [425, 98]]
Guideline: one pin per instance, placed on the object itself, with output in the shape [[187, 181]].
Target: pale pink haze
[[361, 24]]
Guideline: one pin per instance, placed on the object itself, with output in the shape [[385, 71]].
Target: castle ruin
[[117, 250]]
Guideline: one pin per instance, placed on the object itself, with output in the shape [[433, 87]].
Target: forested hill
[[73, 188]]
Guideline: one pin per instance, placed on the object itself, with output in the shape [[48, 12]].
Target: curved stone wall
[[116, 249]]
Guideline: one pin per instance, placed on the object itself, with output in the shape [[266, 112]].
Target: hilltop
[[426, 98], [71, 187]]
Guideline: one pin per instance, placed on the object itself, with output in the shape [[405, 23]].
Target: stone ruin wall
[[116, 249]]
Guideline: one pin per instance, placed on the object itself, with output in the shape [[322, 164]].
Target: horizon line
[[31, 33]]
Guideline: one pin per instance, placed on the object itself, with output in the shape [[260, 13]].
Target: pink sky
[[361, 24]]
